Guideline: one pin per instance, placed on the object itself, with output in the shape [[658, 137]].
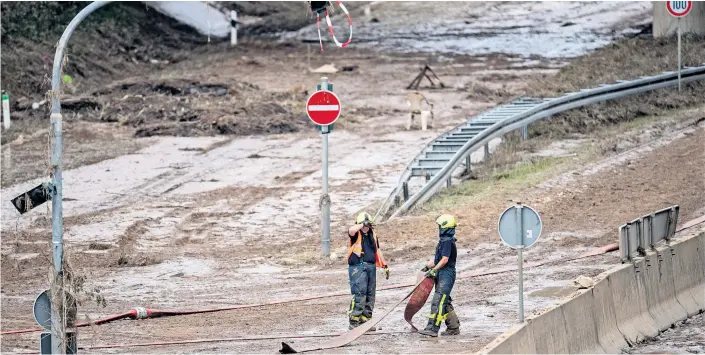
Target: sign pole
[[58, 322], [520, 230], [679, 54], [323, 109], [325, 199], [521, 285], [679, 9], [520, 227]]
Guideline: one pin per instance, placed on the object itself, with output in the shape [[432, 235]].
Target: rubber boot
[[452, 324], [364, 320], [353, 324], [429, 332]]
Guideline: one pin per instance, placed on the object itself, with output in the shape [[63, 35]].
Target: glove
[[431, 273], [386, 272]]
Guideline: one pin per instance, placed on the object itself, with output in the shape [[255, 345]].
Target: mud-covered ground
[[178, 254], [196, 184], [687, 337]]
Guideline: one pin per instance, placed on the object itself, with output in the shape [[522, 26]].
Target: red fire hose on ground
[[144, 313], [197, 341]]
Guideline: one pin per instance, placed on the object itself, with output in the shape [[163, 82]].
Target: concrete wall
[[632, 302]]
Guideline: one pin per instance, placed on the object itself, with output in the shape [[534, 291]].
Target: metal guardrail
[[645, 232], [440, 158]]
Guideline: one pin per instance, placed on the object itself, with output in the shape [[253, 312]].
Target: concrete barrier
[[688, 276], [657, 281], [630, 303], [631, 312], [548, 331], [522, 341], [579, 322], [608, 335]]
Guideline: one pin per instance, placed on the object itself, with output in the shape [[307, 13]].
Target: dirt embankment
[[116, 40], [190, 107], [627, 59], [121, 64]]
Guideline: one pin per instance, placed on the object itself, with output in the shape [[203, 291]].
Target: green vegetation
[[506, 180]]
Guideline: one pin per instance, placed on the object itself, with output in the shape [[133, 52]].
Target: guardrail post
[[449, 182], [525, 132], [428, 177], [487, 152], [468, 164], [405, 190]]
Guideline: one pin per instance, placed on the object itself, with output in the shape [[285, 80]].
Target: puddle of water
[[545, 29], [265, 269]]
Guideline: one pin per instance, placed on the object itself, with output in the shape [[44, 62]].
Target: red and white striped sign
[[323, 107], [679, 8]]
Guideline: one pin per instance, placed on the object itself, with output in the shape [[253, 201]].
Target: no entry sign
[[679, 8], [323, 107]]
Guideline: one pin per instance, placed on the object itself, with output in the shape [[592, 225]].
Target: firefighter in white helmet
[[442, 269], [364, 256]]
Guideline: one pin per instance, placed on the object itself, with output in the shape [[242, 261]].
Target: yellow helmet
[[363, 216], [446, 221]]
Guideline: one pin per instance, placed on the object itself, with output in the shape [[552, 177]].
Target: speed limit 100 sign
[[679, 8]]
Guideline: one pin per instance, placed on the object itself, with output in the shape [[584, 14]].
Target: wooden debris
[[424, 73]]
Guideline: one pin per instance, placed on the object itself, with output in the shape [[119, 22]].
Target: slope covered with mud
[[116, 40], [627, 59]]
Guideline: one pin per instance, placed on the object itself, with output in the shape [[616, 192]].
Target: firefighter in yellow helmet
[[442, 269], [364, 256]]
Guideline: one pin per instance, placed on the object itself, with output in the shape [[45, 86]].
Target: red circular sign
[[679, 8], [323, 107]]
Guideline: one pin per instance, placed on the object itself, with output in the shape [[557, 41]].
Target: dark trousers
[[441, 303], [363, 284]]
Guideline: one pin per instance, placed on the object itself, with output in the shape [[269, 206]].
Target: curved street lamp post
[[58, 324]]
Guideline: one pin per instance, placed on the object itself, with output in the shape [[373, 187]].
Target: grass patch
[[305, 257], [527, 170], [509, 179]]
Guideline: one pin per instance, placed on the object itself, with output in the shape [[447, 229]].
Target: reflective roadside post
[[5, 110], [519, 228], [323, 108]]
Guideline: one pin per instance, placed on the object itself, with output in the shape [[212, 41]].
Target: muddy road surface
[[556, 30], [202, 221], [687, 337]]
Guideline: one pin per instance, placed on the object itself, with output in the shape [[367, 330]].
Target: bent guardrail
[[645, 232], [443, 155]]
